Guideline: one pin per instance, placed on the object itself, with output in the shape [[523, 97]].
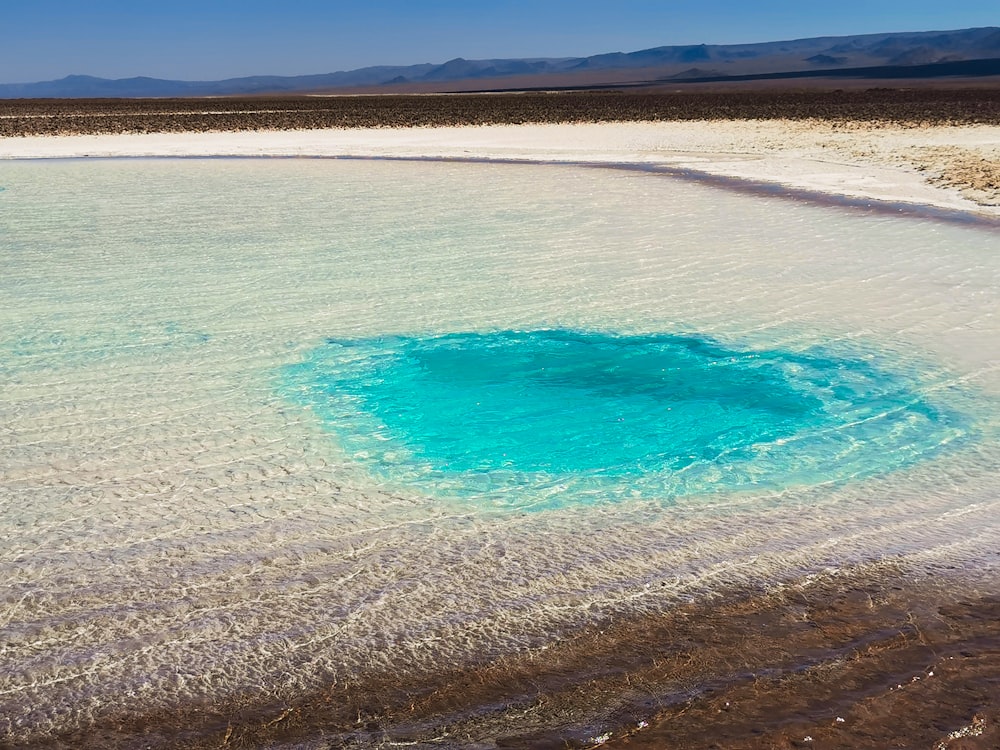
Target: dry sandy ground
[[952, 167]]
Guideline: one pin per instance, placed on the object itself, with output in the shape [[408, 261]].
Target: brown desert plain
[[878, 656]]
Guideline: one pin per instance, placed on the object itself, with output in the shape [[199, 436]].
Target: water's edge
[[873, 206]]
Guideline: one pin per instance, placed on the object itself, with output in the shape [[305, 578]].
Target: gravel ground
[[19, 117]]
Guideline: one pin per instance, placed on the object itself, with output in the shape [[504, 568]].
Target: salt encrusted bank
[[949, 167]]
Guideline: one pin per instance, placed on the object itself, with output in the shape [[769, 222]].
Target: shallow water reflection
[[177, 525]]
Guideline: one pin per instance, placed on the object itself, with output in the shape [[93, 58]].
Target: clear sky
[[214, 39]]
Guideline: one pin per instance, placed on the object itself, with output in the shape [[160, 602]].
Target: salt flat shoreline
[[952, 167]]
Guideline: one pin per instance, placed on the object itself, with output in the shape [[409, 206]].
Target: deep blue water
[[548, 418]]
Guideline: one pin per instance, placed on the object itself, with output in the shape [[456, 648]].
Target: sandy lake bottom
[[266, 425]]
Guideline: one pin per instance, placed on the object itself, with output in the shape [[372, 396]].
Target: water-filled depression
[[534, 419], [269, 425]]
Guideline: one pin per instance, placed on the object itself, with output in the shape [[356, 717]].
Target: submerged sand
[[868, 658]]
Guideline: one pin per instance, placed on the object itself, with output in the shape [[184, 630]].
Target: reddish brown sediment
[[920, 106], [876, 658], [976, 174]]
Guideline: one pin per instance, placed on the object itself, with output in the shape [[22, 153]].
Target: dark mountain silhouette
[[827, 61], [929, 53], [921, 55], [964, 68], [691, 73], [460, 68]]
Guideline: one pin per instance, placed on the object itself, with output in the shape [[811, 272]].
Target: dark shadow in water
[[740, 185], [737, 184]]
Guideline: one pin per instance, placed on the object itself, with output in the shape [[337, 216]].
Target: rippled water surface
[[551, 418], [265, 423]]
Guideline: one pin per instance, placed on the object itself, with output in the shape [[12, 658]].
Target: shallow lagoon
[[554, 418], [182, 515]]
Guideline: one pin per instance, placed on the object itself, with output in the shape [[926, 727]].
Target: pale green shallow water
[[263, 423]]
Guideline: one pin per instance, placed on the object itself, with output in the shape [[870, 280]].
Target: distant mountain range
[[927, 54]]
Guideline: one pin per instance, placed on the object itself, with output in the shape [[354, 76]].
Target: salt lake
[[269, 423]]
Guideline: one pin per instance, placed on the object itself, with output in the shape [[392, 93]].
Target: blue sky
[[212, 39]]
